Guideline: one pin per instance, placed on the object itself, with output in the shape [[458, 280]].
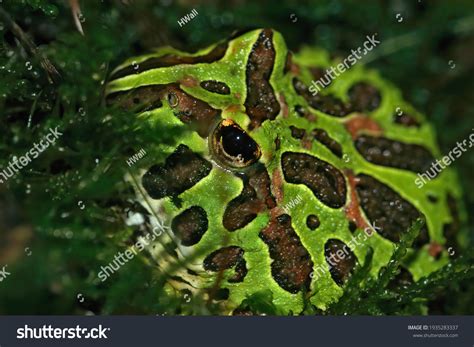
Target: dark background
[[427, 50]]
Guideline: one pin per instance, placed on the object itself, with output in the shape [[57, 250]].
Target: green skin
[[216, 190]]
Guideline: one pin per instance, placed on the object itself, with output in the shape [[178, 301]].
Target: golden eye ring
[[232, 146]]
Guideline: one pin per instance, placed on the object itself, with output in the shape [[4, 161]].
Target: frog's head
[[266, 181], [223, 93]]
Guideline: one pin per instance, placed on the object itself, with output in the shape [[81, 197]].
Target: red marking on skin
[[306, 143], [435, 249], [233, 108], [277, 186], [312, 117], [295, 69], [361, 122], [352, 210], [290, 66], [284, 106], [189, 81]]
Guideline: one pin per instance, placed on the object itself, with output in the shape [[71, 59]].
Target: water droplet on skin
[[135, 66]]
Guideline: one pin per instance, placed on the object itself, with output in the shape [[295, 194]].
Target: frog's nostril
[[233, 146]]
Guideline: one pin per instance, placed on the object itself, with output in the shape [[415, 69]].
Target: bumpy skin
[[327, 167]]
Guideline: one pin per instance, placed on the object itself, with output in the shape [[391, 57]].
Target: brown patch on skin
[[341, 260], [256, 196], [139, 99], [392, 153], [322, 136], [261, 103], [292, 265], [288, 62], [307, 143], [433, 199], [216, 87], [352, 210], [277, 185], [233, 108], [302, 112], [189, 81], [312, 222], [168, 60], [290, 66], [190, 110], [352, 226], [435, 249], [226, 258], [325, 181], [317, 73], [181, 170], [324, 103], [190, 225], [387, 210], [364, 97], [361, 123], [406, 120], [277, 143], [297, 133], [284, 106]]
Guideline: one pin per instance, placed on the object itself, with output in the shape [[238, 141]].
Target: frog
[[264, 186]]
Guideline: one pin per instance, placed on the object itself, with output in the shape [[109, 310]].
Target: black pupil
[[237, 143]]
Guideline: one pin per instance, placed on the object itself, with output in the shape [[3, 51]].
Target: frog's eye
[[232, 146]]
